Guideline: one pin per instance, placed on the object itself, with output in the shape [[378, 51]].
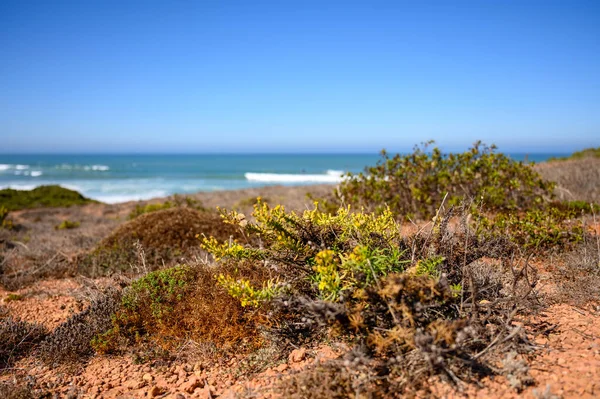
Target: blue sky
[[258, 76]]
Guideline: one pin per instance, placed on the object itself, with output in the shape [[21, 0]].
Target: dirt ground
[[566, 364]]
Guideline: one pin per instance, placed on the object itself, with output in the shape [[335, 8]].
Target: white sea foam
[[100, 168], [118, 198], [96, 168], [5, 166], [33, 173], [331, 176], [18, 186]]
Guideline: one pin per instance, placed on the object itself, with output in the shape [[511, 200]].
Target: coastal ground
[[40, 287]]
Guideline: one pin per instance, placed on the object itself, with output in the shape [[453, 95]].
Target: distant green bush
[[67, 225], [586, 153], [41, 197], [415, 185]]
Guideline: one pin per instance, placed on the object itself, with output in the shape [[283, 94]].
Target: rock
[[205, 393], [297, 355], [155, 391], [148, 378], [198, 366], [133, 384], [281, 368], [192, 384]]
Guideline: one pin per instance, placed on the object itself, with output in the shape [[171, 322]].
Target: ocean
[[121, 178]]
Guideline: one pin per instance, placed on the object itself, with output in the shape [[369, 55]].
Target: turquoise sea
[[120, 178]]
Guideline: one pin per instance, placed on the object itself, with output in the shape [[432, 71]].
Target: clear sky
[[298, 76]]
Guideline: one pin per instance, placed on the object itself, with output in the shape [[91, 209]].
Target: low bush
[[153, 240], [41, 197], [414, 185], [70, 342]]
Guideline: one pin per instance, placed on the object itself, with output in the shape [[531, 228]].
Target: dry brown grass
[[577, 179]]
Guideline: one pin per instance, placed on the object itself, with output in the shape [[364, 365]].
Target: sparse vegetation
[[446, 298], [42, 196]]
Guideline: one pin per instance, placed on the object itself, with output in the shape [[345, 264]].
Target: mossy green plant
[[147, 306], [157, 291]]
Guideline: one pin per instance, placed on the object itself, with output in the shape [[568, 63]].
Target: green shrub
[[67, 225], [415, 185], [41, 197]]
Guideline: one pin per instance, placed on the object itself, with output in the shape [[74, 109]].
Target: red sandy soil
[[567, 364]]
